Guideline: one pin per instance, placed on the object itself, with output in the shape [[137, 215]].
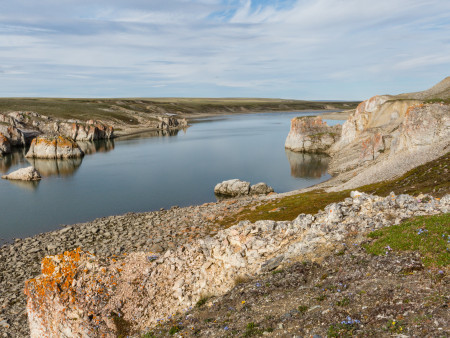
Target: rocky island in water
[[326, 260]]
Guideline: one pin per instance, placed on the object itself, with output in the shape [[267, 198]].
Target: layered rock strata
[[78, 294], [237, 187], [311, 134], [54, 148], [24, 174]]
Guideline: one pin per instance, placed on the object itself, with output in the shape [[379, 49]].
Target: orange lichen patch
[[411, 108], [3, 138], [58, 273], [43, 140], [66, 142]]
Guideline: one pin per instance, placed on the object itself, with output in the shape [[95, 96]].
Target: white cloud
[[223, 48]]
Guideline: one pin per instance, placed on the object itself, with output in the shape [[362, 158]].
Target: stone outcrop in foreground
[[311, 134], [24, 174], [54, 147], [237, 187], [78, 294]]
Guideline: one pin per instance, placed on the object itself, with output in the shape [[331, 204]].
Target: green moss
[[428, 235]]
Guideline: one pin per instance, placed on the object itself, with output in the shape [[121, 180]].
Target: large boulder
[[54, 147], [5, 147], [24, 174], [232, 188], [311, 134], [260, 189]]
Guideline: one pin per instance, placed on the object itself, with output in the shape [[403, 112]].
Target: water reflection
[[98, 146], [16, 157], [55, 167], [152, 133], [26, 185], [307, 165]]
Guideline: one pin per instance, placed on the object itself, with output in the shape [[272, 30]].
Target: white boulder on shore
[[237, 187], [24, 174]]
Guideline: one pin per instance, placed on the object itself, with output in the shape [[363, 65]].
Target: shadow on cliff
[[304, 165]]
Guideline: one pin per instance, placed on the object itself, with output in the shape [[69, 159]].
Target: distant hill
[[440, 91]]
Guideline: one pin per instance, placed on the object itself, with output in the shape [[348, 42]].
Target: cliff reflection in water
[[305, 165], [16, 157], [55, 167], [98, 146], [152, 133]]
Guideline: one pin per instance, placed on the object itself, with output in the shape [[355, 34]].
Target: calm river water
[[152, 171]]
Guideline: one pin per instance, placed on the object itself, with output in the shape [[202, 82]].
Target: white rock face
[[311, 134], [24, 174], [54, 147], [232, 188]]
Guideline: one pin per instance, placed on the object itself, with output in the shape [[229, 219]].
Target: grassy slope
[[432, 177], [110, 108]]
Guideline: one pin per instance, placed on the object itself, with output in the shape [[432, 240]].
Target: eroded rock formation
[[311, 134], [78, 294], [54, 147], [24, 174], [171, 122]]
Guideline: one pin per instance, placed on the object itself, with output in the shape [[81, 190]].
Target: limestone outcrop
[[88, 131], [237, 187], [78, 294], [13, 134], [5, 147], [386, 128], [24, 174], [311, 134], [54, 148], [171, 122]]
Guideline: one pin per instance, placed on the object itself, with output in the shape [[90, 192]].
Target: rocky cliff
[[389, 135], [19, 128], [311, 134], [78, 294]]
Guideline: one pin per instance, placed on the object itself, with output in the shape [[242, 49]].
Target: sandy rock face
[[78, 294], [423, 125], [311, 134], [5, 147], [24, 174], [54, 147]]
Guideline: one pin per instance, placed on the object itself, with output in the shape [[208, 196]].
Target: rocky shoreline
[[154, 231]]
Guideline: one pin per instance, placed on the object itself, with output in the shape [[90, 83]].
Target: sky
[[297, 49]]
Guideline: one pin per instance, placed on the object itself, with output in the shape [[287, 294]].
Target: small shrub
[[202, 301], [174, 329], [302, 309]]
